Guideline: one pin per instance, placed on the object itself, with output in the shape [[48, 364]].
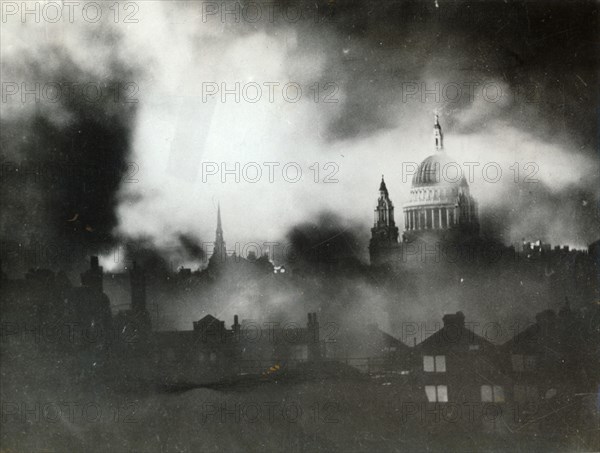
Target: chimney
[[457, 319], [236, 324], [92, 278], [137, 280]]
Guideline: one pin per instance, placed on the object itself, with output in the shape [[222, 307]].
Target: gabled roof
[[453, 335], [208, 319], [391, 341]]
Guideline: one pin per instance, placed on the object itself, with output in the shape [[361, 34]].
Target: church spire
[[219, 251], [219, 227], [438, 136]]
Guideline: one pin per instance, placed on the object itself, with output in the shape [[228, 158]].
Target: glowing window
[[492, 394], [434, 363], [436, 393]]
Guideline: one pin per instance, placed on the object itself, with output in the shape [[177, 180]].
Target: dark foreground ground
[[50, 405]]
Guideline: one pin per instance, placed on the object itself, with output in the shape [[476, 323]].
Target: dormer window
[[434, 364]]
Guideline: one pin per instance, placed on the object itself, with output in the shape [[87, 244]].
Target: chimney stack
[[137, 280], [457, 319], [236, 324], [92, 278]]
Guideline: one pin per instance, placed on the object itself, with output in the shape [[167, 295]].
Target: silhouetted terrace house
[[459, 368], [287, 346], [88, 308], [208, 353], [554, 366], [369, 349], [45, 309], [28, 305], [93, 277]]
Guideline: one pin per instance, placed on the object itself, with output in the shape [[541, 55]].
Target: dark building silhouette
[[93, 277], [555, 367], [134, 325], [458, 367], [138, 289], [46, 311], [367, 349]]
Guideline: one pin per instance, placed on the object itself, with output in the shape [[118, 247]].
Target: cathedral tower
[[384, 234]]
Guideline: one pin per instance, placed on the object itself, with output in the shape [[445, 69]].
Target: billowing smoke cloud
[[65, 140], [504, 113], [328, 240], [364, 70]]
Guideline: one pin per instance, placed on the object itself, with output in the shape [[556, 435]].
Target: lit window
[[440, 363], [492, 394], [436, 393], [434, 363], [486, 393], [551, 393], [498, 394], [442, 392], [428, 363]]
